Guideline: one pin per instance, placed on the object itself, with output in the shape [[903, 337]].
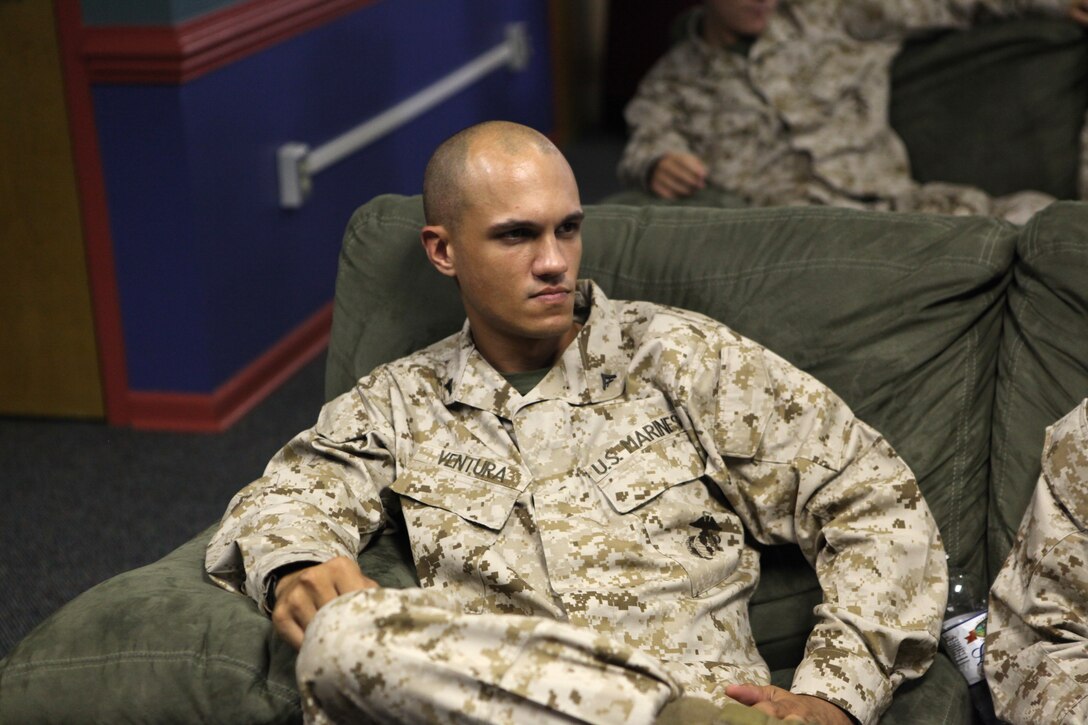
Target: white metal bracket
[[295, 181]]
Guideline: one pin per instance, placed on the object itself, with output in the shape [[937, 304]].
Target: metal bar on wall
[[297, 162]]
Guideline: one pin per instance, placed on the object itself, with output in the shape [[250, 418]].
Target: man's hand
[[301, 593], [1078, 11], [678, 175], [785, 705]]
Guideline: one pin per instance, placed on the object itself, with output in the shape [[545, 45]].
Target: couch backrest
[[900, 314], [1043, 361], [999, 106]]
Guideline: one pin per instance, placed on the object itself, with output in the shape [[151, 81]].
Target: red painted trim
[[199, 413], [178, 54], [91, 185]]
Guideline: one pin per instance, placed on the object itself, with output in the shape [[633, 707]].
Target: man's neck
[[717, 34], [518, 356]]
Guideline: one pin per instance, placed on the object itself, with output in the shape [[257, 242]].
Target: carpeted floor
[[81, 502]]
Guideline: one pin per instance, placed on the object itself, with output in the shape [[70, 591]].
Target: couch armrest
[[163, 644]]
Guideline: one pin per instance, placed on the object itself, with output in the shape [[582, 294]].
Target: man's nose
[[550, 260]]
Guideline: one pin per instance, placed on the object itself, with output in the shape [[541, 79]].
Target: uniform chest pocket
[[452, 520], [472, 500], [684, 519]]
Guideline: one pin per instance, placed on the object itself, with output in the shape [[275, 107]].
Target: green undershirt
[[525, 381]]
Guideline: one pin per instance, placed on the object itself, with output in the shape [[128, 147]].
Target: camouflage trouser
[[941, 198], [386, 655]]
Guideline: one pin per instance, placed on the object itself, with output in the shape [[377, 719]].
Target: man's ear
[[436, 242]]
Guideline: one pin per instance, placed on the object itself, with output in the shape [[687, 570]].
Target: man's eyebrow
[[509, 224]]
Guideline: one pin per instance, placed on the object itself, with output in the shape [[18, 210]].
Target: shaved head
[[504, 221], [446, 177]]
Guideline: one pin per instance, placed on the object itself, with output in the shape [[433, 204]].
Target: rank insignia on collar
[[606, 380]]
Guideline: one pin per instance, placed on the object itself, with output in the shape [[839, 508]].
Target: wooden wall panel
[[48, 358]]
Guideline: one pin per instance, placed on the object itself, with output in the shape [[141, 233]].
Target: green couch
[[959, 338]]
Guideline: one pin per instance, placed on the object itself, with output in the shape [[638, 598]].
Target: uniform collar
[[590, 370]]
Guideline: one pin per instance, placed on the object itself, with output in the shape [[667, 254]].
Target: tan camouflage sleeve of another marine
[[1036, 654], [651, 122]]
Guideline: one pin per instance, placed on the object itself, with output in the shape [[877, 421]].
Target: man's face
[[738, 18], [516, 248]]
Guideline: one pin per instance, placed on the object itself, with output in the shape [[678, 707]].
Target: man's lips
[[551, 294]]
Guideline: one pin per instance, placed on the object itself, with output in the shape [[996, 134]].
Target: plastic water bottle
[[963, 635]]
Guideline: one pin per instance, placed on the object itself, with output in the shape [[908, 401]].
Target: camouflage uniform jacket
[[617, 495], [1036, 654], [803, 117]]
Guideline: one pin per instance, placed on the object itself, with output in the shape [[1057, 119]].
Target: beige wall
[[48, 359]]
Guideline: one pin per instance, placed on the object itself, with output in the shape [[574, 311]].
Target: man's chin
[[553, 328]]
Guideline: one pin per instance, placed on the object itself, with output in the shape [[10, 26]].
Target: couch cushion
[[156, 644], [162, 644], [1043, 362], [900, 314], [999, 107]]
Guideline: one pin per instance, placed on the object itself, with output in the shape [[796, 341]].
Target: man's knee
[[341, 668]]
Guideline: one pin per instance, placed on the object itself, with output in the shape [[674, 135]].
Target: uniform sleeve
[[651, 121], [1036, 655], [874, 19], [319, 497], [798, 467]]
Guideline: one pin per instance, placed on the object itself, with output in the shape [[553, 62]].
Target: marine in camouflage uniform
[[801, 116], [581, 547], [1036, 654], [582, 538]]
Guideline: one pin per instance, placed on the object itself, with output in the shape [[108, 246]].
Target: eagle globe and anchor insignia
[[708, 541]]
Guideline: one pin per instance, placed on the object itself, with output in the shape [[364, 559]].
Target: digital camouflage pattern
[[1036, 654], [604, 513], [802, 118], [534, 669]]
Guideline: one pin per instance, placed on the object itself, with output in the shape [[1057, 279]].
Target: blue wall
[[212, 272]]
